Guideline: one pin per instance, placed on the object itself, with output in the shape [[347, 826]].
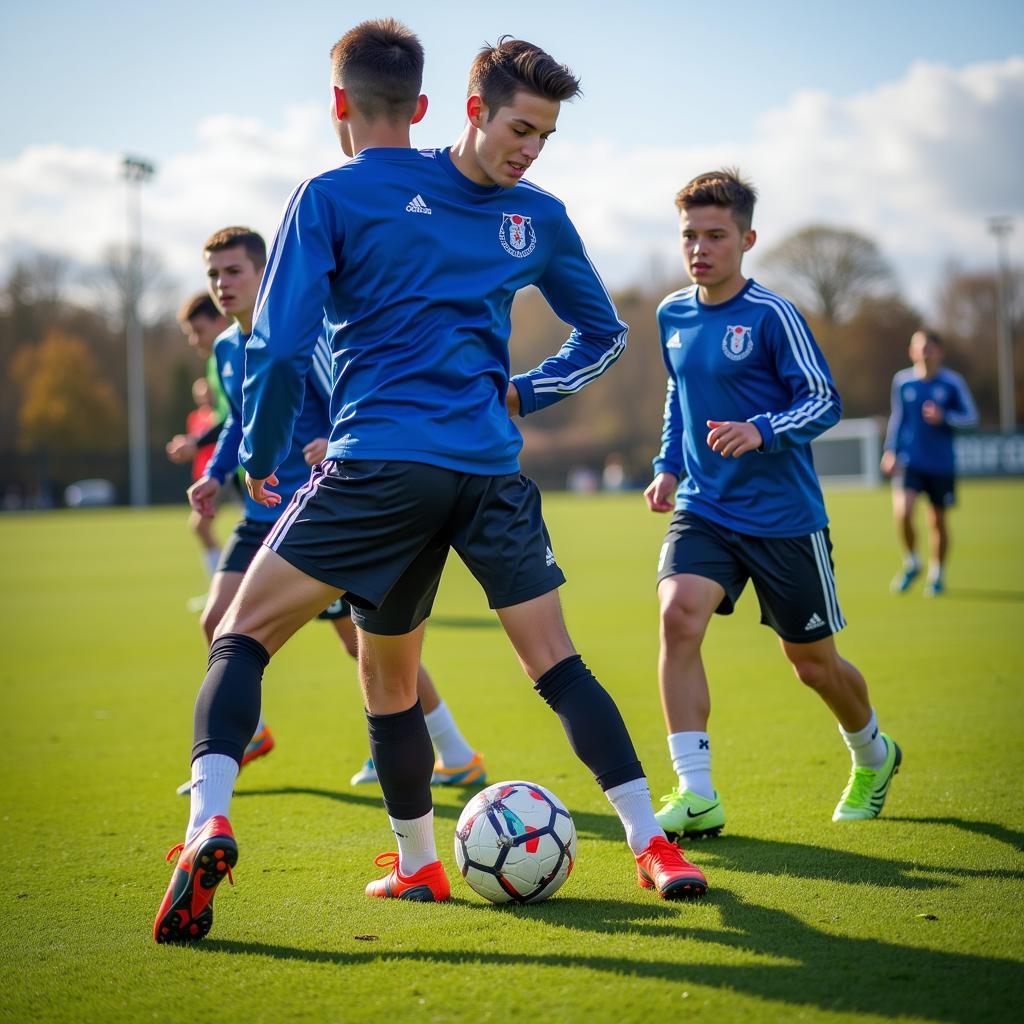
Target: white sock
[[449, 743], [934, 573], [415, 842], [691, 760], [910, 562], [867, 748], [260, 725], [213, 780], [632, 803], [211, 557]]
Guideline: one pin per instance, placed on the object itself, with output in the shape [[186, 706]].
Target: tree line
[[63, 380]]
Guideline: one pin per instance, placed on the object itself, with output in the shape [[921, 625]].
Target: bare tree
[[828, 270], [111, 281]]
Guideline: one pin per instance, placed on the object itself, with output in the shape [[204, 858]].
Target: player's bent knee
[[818, 675], [682, 625]]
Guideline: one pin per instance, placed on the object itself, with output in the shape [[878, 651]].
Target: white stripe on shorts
[[828, 582], [292, 512]]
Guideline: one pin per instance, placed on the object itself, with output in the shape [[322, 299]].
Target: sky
[[903, 120]]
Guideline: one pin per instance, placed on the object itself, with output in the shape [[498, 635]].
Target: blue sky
[[240, 91]]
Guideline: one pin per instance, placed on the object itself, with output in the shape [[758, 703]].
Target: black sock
[[228, 705], [591, 721], [404, 758]]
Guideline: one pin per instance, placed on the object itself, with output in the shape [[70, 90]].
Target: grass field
[[916, 916]]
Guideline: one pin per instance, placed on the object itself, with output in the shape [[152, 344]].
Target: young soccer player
[[414, 258], [235, 258], [748, 389], [929, 403]]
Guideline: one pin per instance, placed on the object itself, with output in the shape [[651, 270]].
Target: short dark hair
[[929, 335], [380, 62], [723, 187], [228, 238], [199, 305], [514, 65]]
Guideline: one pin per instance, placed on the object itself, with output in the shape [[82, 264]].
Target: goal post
[[848, 454]]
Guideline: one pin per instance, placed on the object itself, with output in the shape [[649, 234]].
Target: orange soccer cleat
[[662, 866], [186, 913], [428, 885]]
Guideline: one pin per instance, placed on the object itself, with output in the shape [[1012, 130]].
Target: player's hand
[[933, 414], [888, 463], [735, 439], [181, 448], [315, 451], [512, 400], [661, 492], [202, 496], [259, 493]]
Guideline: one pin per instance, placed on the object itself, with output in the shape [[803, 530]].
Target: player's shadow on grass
[[588, 824], [798, 860], [981, 594], [981, 828], [808, 968]]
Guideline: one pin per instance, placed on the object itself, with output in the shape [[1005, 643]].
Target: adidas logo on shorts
[[814, 622], [416, 205], [549, 557]]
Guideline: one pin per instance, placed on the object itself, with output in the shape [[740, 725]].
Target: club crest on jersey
[[517, 235], [738, 342]]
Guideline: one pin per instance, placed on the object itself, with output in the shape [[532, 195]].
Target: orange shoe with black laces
[[428, 885], [186, 913], [662, 866]]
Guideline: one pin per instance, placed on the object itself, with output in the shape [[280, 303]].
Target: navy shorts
[[793, 577], [246, 539], [381, 532], [940, 487]]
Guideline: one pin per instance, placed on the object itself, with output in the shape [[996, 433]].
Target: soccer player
[[414, 259], [929, 402], [201, 322], [748, 390], [235, 258]]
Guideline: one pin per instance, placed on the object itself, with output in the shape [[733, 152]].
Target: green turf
[[914, 916]]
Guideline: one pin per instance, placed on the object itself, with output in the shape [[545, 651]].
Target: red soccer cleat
[[428, 885], [662, 866], [259, 746], [186, 913]]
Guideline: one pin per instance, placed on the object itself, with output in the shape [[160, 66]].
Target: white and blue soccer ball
[[515, 843]]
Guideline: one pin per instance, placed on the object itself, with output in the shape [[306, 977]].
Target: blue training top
[[751, 358], [923, 446], [414, 267], [313, 421]]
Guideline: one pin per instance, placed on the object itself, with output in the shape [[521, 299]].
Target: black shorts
[[246, 539], [381, 532], [940, 487], [793, 576]]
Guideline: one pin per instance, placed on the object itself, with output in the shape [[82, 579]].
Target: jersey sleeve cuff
[[527, 399], [764, 428], [664, 466]]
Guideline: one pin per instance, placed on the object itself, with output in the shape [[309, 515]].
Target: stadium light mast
[[1001, 228], [136, 172]]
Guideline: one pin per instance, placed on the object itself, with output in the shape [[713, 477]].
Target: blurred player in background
[[414, 259], [235, 258], [929, 403], [748, 390], [201, 321]]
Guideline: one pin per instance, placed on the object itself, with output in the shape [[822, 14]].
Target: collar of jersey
[[444, 158], [388, 153], [729, 303]]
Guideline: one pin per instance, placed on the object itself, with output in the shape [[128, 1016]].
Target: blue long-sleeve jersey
[[920, 445], [313, 421], [414, 267], [752, 358]]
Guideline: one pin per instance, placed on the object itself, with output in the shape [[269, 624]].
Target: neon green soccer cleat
[[689, 814], [865, 793]]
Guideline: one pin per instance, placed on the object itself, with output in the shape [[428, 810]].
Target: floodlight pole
[[1001, 228], [136, 172]]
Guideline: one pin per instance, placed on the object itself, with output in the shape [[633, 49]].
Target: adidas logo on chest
[[417, 205]]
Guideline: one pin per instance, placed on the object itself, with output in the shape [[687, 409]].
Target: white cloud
[[917, 164]]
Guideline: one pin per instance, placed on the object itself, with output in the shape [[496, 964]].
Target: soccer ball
[[515, 842]]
